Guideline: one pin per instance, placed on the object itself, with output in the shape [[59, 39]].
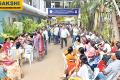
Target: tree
[[87, 11], [99, 15], [29, 25], [75, 4]]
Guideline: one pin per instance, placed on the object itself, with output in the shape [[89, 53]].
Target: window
[[57, 4], [30, 2], [48, 4], [69, 4]]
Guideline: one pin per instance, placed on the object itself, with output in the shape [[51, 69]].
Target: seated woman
[[84, 72], [12, 68], [81, 51], [77, 60], [90, 50], [76, 44], [113, 47], [103, 63], [70, 59]]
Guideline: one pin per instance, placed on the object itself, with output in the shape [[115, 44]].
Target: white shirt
[[75, 31], [112, 70], [107, 47], [88, 36], [92, 37], [76, 45], [46, 34], [84, 72], [64, 33], [56, 31]]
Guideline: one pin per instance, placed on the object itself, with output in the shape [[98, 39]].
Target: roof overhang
[[32, 10]]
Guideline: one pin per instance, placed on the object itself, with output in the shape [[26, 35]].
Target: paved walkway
[[51, 68]]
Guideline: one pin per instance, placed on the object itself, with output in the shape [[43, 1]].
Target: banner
[[11, 5], [62, 12]]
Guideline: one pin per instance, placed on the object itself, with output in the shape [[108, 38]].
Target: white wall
[[42, 5], [39, 4]]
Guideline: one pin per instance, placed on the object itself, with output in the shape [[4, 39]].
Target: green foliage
[[106, 31], [75, 4], [29, 25], [85, 14], [42, 24], [10, 29]]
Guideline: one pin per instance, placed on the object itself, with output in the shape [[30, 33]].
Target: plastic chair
[[13, 53], [29, 54]]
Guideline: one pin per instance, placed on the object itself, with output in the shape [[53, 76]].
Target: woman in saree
[[41, 45], [36, 44], [81, 51], [70, 59], [12, 68], [84, 72]]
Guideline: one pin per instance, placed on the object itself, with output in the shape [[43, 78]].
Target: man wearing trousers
[[56, 34], [45, 34], [64, 34]]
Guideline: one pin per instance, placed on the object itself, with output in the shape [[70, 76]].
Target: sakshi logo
[[11, 4]]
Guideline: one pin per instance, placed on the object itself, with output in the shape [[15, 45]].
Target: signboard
[[62, 12], [11, 4]]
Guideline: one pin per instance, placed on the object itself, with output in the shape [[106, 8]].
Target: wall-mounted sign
[[62, 12], [11, 5]]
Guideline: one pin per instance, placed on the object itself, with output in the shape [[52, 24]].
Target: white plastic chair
[[28, 53], [13, 53]]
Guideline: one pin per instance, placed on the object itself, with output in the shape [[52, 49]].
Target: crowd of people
[[91, 58], [14, 52], [31, 47], [88, 58]]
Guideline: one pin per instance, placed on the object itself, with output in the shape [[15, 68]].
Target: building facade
[[60, 3], [34, 9]]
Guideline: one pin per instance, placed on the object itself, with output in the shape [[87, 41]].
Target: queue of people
[[14, 52], [31, 47], [92, 58], [88, 58]]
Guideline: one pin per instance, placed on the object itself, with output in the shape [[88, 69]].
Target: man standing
[[49, 33], [45, 35], [75, 32], [64, 34], [56, 34]]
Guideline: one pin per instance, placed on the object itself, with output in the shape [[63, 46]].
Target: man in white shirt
[[46, 37], [64, 34], [75, 32], [56, 34]]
